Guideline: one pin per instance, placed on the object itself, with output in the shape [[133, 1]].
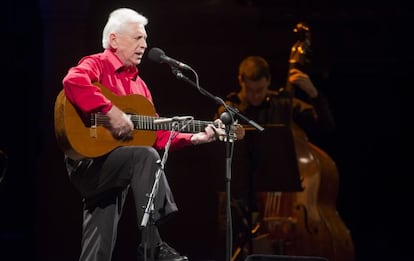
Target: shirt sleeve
[[181, 140], [79, 88]]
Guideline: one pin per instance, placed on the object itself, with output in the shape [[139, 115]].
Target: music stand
[[264, 161]]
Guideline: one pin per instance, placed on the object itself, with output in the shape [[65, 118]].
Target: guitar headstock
[[236, 132], [301, 48]]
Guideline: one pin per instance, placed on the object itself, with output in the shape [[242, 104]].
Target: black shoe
[[163, 252]]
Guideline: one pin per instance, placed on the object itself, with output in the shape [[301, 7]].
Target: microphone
[[158, 55], [173, 119]]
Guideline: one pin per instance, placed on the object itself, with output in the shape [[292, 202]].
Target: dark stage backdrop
[[357, 61]]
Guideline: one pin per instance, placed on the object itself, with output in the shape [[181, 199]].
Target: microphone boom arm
[[218, 100]]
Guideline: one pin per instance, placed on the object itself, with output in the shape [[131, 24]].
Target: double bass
[[304, 223]]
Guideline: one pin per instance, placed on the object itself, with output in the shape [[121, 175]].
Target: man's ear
[[113, 41]]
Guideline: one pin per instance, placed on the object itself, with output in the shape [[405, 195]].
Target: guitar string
[[147, 122]]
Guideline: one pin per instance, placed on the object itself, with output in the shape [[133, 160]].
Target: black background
[[360, 53]]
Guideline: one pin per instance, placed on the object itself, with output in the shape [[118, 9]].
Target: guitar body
[[81, 137], [78, 139]]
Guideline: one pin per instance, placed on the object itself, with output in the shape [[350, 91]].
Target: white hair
[[117, 20]]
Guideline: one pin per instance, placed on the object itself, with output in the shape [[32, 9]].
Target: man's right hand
[[120, 124]]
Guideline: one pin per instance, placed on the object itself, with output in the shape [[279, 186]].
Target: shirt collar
[[131, 71]]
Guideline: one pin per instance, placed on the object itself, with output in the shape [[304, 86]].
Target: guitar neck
[[144, 122]]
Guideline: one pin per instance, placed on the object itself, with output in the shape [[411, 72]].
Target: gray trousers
[[104, 183]]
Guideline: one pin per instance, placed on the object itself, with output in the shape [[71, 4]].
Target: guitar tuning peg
[[232, 137]]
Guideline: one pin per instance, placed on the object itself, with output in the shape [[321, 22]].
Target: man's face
[[130, 44], [255, 91]]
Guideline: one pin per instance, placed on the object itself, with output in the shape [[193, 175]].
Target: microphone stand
[[227, 118], [150, 204]]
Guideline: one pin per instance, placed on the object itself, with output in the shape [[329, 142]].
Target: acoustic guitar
[[82, 137]]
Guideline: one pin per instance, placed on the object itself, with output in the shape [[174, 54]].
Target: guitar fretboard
[[145, 122]]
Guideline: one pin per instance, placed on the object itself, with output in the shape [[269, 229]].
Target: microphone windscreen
[[155, 54]]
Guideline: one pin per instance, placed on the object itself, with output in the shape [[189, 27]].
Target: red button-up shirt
[[108, 70]]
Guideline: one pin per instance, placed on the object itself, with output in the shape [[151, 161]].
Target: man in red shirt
[[103, 181]]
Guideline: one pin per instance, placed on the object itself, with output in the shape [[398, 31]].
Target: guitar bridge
[[93, 132]]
